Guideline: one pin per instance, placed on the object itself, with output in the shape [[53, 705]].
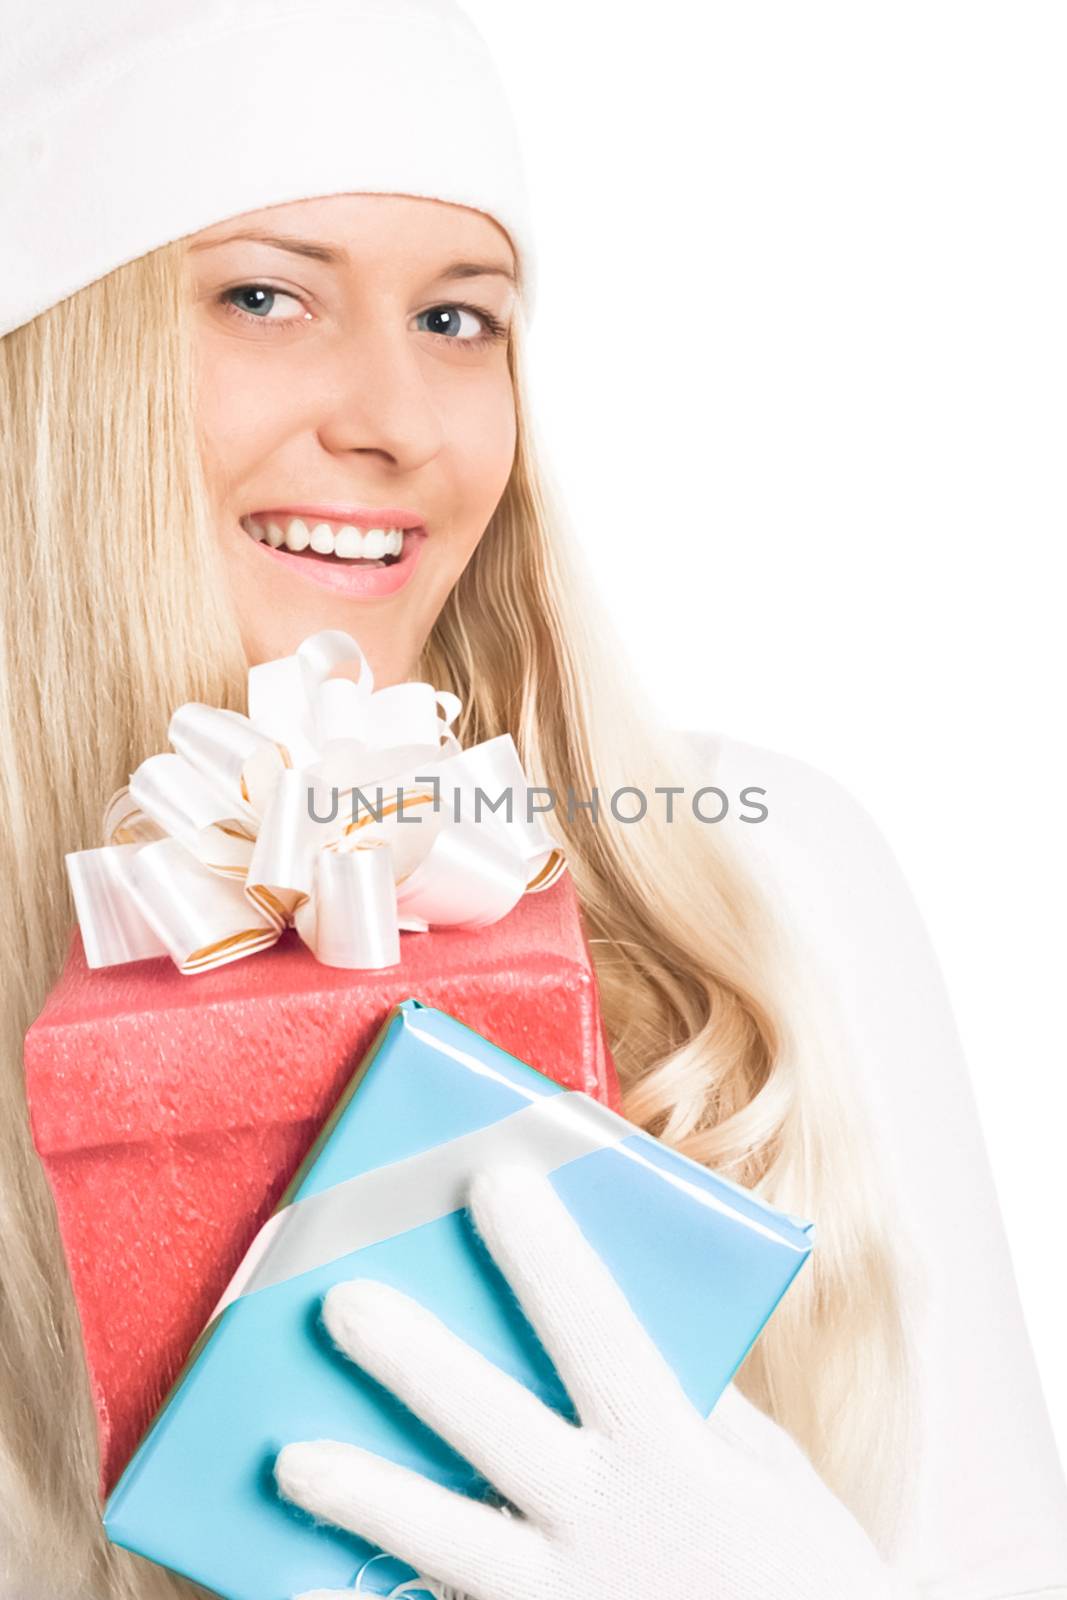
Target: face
[[355, 412]]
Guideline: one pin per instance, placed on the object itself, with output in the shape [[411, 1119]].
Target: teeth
[[327, 539], [348, 543]]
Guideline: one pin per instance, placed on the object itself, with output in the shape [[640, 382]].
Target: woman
[[242, 334]]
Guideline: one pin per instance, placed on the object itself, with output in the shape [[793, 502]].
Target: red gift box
[[171, 1111]]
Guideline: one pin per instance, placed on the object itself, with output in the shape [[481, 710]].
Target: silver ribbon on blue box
[[702, 1261]]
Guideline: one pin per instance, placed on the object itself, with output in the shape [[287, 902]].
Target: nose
[[379, 402]]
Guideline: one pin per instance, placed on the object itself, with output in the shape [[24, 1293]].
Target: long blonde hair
[[114, 611]]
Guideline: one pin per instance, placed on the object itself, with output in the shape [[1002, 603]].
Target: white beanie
[[125, 124]]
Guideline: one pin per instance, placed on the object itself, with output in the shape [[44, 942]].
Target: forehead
[[366, 225]]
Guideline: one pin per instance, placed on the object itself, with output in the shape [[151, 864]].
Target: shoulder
[[797, 793], [817, 846]]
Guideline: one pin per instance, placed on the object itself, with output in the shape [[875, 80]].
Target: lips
[[361, 553]]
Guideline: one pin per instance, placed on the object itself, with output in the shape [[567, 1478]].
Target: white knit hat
[[125, 124]]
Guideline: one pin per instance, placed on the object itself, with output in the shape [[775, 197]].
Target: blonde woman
[[266, 277]]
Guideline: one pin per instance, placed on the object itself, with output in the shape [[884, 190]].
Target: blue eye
[[454, 322], [255, 300], [258, 300]]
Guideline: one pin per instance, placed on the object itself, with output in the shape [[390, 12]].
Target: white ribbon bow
[[348, 813]]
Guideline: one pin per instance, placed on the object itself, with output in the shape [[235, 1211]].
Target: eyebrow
[[338, 257]]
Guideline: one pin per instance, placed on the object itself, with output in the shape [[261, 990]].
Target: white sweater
[[988, 1519]]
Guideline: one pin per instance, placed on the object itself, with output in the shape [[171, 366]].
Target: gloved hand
[[645, 1499]]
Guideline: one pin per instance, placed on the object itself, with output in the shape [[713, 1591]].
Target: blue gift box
[[702, 1261]]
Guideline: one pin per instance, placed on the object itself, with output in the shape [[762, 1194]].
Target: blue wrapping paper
[[702, 1262]]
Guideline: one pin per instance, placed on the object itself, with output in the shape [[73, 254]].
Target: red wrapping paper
[[170, 1112]]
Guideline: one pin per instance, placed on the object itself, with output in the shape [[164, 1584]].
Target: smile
[[348, 555]]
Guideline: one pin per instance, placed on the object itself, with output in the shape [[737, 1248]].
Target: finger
[[611, 1367], [518, 1443], [464, 1543]]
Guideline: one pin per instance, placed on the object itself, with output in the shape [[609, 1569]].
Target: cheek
[[483, 446], [243, 414]]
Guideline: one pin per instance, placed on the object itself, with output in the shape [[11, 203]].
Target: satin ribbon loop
[[239, 761], [349, 813], [185, 804]]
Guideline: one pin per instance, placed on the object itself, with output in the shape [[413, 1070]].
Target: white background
[[801, 367]]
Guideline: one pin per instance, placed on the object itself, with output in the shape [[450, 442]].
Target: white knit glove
[[645, 1500]]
